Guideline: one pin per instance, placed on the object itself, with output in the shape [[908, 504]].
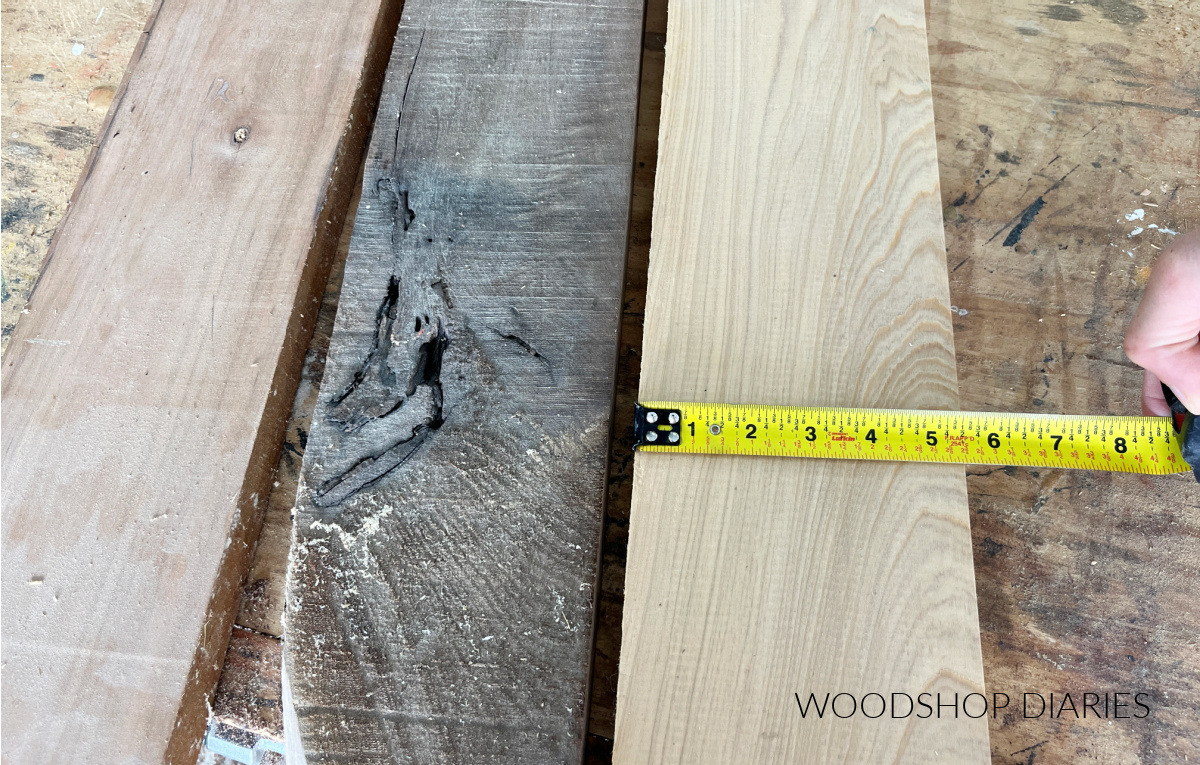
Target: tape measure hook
[[656, 427]]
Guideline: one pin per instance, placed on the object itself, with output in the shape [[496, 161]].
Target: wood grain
[[797, 259], [146, 391], [447, 529]]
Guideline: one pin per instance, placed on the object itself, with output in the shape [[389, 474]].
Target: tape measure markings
[[1127, 444]]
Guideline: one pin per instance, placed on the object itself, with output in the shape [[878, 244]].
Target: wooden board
[[263, 596], [446, 537], [797, 259], [146, 391]]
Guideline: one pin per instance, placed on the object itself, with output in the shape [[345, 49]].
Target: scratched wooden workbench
[[1069, 138]]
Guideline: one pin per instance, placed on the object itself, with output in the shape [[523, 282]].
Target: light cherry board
[[797, 258], [146, 390], [443, 566]]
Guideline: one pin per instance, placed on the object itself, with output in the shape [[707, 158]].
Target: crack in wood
[[344, 413], [426, 376], [404, 99], [397, 198], [399, 379], [515, 338]]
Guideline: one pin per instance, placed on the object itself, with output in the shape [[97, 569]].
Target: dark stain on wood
[[22, 209], [1120, 12], [70, 137], [1063, 13], [1026, 218]]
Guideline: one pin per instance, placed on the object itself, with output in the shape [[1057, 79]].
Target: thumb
[[1164, 336]]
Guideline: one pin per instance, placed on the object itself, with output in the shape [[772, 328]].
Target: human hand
[[1164, 336]]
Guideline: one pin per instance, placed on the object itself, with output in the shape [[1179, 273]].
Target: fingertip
[[1154, 404], [1155, 408]]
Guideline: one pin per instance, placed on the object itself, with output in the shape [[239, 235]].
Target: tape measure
[[1148, 445]]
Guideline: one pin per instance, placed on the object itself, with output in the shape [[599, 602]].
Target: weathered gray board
[[440, 588]]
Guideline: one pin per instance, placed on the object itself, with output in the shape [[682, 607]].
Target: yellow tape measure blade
[[1145, 445]]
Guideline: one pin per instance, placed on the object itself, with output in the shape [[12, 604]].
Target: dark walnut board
[[146, 385]]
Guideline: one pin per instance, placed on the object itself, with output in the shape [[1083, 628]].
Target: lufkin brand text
[[1120, 705]]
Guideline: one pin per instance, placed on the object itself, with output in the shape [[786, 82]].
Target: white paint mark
[[1138, 214], [98, 15], [76, 49], [1163, 229], [1136, 230], [55, 343]]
